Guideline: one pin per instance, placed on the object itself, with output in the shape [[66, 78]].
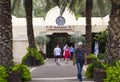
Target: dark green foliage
[[95, 64], [24, 70], [3, 74], [35, 53], [41, 7], [92, 56], [89, 71], [101, 37], [113, 73], [101, 56], [98, 64]]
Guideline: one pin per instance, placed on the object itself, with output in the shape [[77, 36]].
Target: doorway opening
[[57, 38]]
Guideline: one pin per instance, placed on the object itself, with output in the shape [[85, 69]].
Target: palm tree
[[33, 57], [5, 33], [88, 10], [30, 31], [113, 39]]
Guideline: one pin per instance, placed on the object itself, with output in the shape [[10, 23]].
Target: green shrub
[[92, 56], [24, 70], [16, 67], [3, 74], [3, 80], [25, 73], [35, 53], [89, 71], [101, 37], [113, 73], [101, 56], [95, 64]]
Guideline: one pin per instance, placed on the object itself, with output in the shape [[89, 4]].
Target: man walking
[[57, 54], [80, 55], [72, 50]]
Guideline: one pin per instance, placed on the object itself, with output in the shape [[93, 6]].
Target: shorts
[[57, 56]]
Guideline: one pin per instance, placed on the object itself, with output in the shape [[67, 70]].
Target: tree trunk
[[89, 5], [113, 39], [31, 59], [6, 42], [30, 31]]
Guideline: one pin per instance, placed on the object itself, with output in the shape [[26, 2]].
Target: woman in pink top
[[67, 54]]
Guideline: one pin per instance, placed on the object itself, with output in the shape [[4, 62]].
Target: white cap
[[80, 43]]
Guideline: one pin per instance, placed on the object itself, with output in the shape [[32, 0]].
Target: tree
[[17, 7], [41, 7], [101, 37], [41, 41], [30, 31], [33, 57], [88, 10], [6, 42], [113, 39], [76, 39]]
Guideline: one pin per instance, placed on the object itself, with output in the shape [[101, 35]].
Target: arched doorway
[[57, 38]]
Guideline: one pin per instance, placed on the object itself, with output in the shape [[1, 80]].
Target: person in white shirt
[[57, 54]]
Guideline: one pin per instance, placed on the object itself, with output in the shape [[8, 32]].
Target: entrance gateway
[[59, 36], [59, 29]]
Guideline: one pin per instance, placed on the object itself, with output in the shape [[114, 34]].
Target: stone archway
[[57, 38]]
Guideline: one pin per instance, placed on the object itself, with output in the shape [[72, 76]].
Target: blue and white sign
[[60, 20]]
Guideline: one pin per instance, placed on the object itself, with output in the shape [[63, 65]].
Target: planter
[[90, 60], [15, 77], [31, 61], [99, 74], [42, 54]]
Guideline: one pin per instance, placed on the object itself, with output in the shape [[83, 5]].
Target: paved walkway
[[50, 72]]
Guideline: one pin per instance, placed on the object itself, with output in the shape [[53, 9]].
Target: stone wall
[[19, 49]]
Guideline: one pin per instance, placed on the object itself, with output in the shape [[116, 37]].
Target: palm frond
[[16, 5], [50, 4], [101, 6], [57, 2]]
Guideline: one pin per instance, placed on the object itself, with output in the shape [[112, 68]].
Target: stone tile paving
[[50, 72]]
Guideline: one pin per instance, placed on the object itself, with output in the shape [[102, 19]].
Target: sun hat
[[80, 43]]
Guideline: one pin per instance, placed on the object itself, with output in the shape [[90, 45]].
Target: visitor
[[67, 54], [65, 47], [72, 50], [64, 50], [80, 55], [57, 54]]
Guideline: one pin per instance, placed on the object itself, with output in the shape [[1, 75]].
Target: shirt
[[72, 49], [57, 51], [80, 54]]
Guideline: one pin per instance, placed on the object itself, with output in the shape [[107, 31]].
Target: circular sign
[[60, 20]]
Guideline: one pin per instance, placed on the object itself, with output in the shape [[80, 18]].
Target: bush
[[113, 73], [92, 56], [24, 70], [89, 71], [3, 74], [95, 64], [101, 56], [101, 37], [3, 80], [35, 53]]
